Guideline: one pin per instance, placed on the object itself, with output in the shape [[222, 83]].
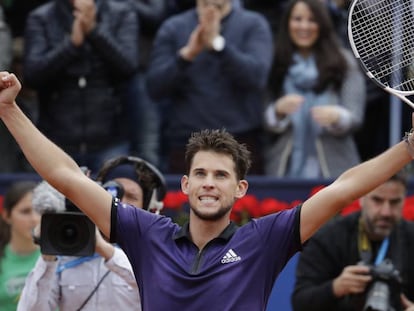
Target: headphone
[[154, 190]]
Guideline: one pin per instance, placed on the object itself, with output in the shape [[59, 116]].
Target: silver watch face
[[218, 43]]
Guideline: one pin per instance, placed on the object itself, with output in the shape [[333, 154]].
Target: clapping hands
[[84, 12]]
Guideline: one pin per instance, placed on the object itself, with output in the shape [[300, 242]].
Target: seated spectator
[[318, 97]]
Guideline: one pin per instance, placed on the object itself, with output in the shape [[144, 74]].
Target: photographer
[[340, 265], [103, 281]]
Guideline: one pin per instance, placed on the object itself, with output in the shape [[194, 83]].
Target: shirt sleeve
[[41, 290], [344, 122], [273, 123], [120, 265]]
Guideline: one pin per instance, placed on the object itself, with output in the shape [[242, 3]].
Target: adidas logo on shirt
[[230, 256]]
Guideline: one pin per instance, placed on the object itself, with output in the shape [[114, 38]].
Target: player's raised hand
[[9, 88]]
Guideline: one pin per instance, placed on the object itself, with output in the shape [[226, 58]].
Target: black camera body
[[384, 289], [68, 233]]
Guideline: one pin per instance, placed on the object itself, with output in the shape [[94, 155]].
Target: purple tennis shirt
[[235, 271]]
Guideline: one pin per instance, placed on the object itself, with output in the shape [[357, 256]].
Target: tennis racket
[[381, 35]]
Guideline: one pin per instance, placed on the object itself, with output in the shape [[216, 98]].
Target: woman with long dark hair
[[18, 252], [317, 97]]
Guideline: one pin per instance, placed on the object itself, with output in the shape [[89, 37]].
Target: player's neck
[[203, 231]]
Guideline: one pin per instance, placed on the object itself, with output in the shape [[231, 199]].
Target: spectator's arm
[[352, 100], [41, 63], [273, 123], [167, 68], [120, 265], [249, 67]]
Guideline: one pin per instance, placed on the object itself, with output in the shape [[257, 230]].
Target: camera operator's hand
[[352, 280], [36, 239], [406, 303], [103, 248]]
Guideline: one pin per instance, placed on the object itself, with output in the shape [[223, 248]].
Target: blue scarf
[[301, 79]]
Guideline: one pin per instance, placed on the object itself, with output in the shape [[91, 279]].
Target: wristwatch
[[218, 43]]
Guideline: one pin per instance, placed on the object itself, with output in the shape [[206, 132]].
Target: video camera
[[67, 233], [384, 289]]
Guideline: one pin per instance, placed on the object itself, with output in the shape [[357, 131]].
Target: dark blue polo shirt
[[235, 271]]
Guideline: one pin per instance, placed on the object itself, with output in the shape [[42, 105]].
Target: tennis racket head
[[381, 35]]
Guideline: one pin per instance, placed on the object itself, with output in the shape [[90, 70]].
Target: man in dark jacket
[[77, 52], [339, 266], [209, 65]]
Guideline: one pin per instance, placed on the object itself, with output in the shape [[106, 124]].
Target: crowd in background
[[122, 87]]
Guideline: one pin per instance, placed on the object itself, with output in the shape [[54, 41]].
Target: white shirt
[[45, 289]]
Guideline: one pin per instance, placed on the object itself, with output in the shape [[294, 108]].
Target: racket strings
[[383, 35]]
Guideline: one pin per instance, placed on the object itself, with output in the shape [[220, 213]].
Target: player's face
[[212, 185], [382, 209], [132, 192], [303, 29]]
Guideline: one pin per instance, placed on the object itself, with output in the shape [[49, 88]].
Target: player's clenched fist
[[9, 87]]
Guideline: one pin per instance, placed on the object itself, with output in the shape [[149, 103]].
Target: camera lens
[[69, 234]]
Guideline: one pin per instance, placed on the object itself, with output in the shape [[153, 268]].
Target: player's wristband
[[409, 140]]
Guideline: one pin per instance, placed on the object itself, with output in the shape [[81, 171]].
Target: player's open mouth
[[207, 199]]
